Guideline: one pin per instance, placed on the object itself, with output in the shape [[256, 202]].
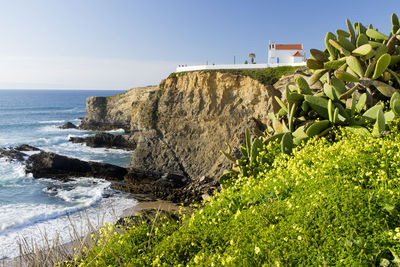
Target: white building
[[278, 55], [285, 53]]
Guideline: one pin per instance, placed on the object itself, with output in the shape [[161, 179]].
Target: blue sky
[[119, 44]]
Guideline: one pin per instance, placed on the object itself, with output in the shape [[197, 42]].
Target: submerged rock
[[68, 125], [12, 154], [51, 165], [15, 153], [26, 147]]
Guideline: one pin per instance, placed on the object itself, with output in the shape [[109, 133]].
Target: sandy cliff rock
[[108, 113], [181, 125]]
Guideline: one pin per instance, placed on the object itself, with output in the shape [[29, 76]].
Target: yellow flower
[[257, 250]]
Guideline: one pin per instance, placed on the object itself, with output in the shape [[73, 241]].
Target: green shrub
[[267, 76], [329, 203]]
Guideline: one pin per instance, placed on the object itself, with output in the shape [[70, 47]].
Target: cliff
[[180, 126]]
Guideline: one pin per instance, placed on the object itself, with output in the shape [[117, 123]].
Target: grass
[[332, 202], [265, 76]]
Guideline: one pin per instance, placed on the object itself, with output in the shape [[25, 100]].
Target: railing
[[236, 66]]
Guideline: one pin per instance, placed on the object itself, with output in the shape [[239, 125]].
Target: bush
[[329, 203], [265, 76]]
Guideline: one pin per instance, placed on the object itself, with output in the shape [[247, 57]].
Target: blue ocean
[[31, 208]]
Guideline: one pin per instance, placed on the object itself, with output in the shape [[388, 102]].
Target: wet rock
[[77, 139], [68, 125], [15, 153], [26, 147], [12, 154], [106, 140], [51, 165]]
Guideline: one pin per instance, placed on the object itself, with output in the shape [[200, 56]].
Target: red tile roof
[[289, 47], [298, 54]]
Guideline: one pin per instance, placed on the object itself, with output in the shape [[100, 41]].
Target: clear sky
[[119, 44]]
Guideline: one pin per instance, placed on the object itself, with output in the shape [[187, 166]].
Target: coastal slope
[[180, 126]]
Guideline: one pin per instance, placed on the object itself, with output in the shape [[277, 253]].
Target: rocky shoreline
[[175, 131]]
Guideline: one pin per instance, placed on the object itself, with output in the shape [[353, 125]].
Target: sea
[[36, 210]]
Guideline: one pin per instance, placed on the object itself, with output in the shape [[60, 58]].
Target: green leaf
[[287, 143], [317, 127], [319, 104]]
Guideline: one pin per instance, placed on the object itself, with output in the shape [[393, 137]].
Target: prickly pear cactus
[[351, 83]]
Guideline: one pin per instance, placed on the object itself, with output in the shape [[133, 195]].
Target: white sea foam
[[76, 195], [55, 129], [106, 210], [53, 121], [11, 170], [81, 194], [116, 131]]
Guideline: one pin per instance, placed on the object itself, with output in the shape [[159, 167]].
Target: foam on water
[[30, 207], [51, 122], [106, 210]]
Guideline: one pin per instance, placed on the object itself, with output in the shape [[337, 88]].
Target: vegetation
[[354, 78], [252, 56], [330, 202], [265, 76], [332, 197]]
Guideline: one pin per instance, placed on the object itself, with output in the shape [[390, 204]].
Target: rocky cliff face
[[181, 125], [108, 113]]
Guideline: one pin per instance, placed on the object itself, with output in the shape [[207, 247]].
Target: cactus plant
[[351, 81]]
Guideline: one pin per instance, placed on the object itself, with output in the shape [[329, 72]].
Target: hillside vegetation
[[319, 188], [264, 76], [330, 202]]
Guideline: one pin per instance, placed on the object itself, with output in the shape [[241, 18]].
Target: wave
[[106, 210], [53, 121], [75, 195], [55, 129], [11, 170], [116, 131]]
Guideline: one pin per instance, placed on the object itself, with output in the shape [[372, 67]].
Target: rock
[[179, 127], [182, 126], [12, 154], [15, 153], [114, 112], [106, 140], [51, 165], [26, 147], [68, 125], [77, 139], [157, 184], [147, 216]]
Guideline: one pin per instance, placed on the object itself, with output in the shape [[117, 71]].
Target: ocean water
[[32, 208]]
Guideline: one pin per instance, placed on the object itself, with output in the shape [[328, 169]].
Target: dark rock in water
[[15, 153], [68, 125], [77, 139], [51, 165], [106, 140], [12, 154], [26, 147]]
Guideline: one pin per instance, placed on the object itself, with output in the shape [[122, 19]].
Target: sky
[[120, 44]]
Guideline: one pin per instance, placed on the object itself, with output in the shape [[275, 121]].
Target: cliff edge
[[180, 126]]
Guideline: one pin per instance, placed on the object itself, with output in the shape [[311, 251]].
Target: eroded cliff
[[181, 125]]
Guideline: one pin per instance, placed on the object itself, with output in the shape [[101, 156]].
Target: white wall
[[237, 66], [285, 56], [298, 59]]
